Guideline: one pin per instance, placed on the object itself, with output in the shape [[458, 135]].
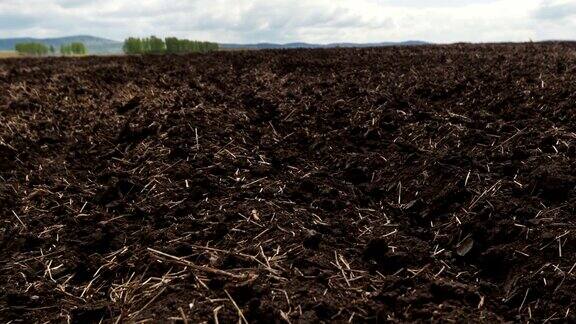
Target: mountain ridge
[[312, 45]]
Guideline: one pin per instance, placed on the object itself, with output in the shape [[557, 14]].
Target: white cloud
[[294, 20], [556, 19]]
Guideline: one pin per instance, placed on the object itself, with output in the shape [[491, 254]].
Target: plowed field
[[346, 185]]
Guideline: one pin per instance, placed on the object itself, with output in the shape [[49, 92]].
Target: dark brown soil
[[401, 184]]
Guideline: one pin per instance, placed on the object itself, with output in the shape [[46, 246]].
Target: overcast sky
[[320, 21]]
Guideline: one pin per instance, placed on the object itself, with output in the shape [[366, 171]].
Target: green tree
[[78, 49], [65, 49], [133, 45], [157, 45], [73, 49], [35, 49], [146, 46], [172, 45]]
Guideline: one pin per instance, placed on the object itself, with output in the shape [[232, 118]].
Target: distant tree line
[[73, 49], [170, 45], [39, 49], [35, 49]]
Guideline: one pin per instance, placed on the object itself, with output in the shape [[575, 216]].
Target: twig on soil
[[523, 300], [215, 312], [550, 318], [337, 264], [285, 317], [240, 314], [195, 267], [253, 182], [475, 201], [148, 303], [184, 318], [20, 220], [511, 138], [572, 269], [415, 273]]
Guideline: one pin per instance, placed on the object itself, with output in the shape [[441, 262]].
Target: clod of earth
[[376, 250], [130, 105]]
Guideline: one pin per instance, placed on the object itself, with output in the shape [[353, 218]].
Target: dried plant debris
[[413, 184], [465, 246]]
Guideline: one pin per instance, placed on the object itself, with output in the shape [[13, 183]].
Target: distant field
[[6, 54]]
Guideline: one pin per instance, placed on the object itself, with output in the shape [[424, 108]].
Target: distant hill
[[95, 45], [308, 45]]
